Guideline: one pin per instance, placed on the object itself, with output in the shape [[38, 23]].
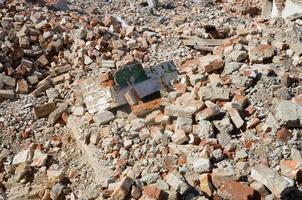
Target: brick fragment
[[145, 108], [235, 190], [44, 110], [284, 135], [22, 87], [153, 192], [123, 189], [206, 185], [211, 63], [261, 53]]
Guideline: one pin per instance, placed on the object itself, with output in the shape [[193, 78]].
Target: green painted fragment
[[130, 74]]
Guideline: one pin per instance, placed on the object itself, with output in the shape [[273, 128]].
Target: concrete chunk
[[7, 94], [23, 156], [56, 114], [211, 63], [214, 94], [201, 165], [177, 111], [177, 183], [289, 113], [103, 117], [235, 117], [7, 80], [275, 183]]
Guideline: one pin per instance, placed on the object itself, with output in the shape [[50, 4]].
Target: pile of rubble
[[90, 110]]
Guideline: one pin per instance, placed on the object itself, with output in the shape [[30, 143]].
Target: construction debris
[[150, 100]]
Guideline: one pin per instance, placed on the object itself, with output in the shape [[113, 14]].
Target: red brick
[[235, 190], [211, 63], [180, 87], [297, 99], [284, 135], [250, 110], [153, 192], [145, 108], [252, 123]]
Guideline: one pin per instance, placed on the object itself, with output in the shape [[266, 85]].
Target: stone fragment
[[277, 184], [184, 124], [201, 165], [136, 192], [78, 110], [237, 56], [211, 63], [42, 61], [177, 183], [23, 156], [235, 190], [290, 168], [252, 123], [87, 60], [33, 79], [224, 139], [289, 113], [57, 191], [236, 118], [240, 100], [231, 67], [206, 185], [204, 129], [137, 124], [95, 138], [103, 117], [18, 192], [224, 125], [80, 33], [221, 176], [241, 154], [208, 113], [44, 110], [179, 137], [7, 94], [55, 175], [296, 155], [42, 86], [260, 188], [123, 189], [150, 178], [261, 53], [214, 94], [41, 24], [21, 170], [177, 111], [56, 114], [7, 80], [52, 94], [24, 42], [108, 64], [242, 81], [39, 158]]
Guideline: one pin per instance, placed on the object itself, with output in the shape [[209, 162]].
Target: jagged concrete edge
[[90, 153]]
